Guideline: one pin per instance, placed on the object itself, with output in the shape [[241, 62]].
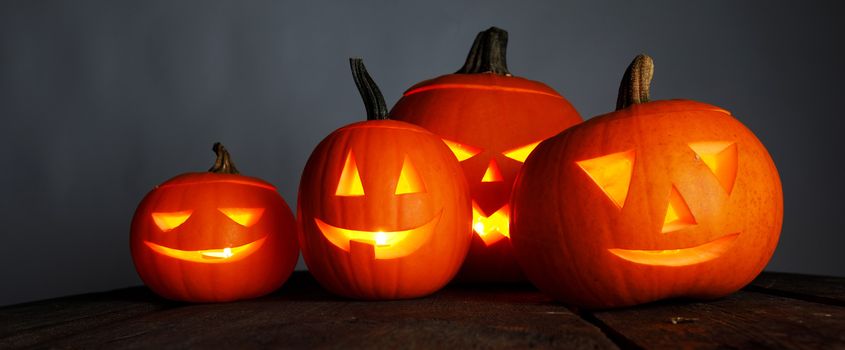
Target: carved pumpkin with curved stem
[[656, 200], [491, 120], [383, 207], [214, 236]]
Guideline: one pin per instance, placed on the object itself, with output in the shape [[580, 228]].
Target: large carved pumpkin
[[491, 120], [214, 236], [655, 200], [383, 207]]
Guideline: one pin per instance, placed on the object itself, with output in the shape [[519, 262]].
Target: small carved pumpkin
[[214, 236], [655, 200], [491, 120], [383, 207]]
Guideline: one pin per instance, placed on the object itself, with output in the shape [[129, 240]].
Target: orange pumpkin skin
[[490, 114], [579, 246], [420, 264], [268, 248]]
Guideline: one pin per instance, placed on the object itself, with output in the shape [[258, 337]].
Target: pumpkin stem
[[373, 99], [488, 53], [223, 164], [635, 83]]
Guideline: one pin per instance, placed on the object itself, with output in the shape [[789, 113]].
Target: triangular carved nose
[[492, 174], [678, 215]]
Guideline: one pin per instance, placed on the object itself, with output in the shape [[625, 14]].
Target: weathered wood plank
[[302, 314], [41, 321], [820, 289], [777, 310], [742, 320]]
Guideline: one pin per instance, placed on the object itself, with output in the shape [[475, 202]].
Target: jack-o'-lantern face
[[388, 201], [176, 223], [205, 220], [612, 175], [387, 241], [491, 144], [491, 186], [384, 211]]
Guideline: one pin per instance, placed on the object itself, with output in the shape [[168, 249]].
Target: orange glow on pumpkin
[[350, 184], [612, 173], [409, 179], [492, 174], [491, 228], [721, 158], [461, 151], [245, 217], [519, 154], [170, 220], [678, 257], [385, 244], [678, 215], [209, 256]]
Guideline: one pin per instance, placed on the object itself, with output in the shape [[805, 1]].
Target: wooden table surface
[[776, 311]]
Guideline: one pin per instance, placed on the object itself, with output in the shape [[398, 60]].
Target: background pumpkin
[[213, 236], [383, 207], [491, 120], [655, 200]]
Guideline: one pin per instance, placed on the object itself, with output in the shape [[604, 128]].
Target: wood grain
[[820, 289], [41, 321], [775, 311], [742, 320], [301, 314]]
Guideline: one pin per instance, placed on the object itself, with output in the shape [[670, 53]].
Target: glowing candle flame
[[479, 227], [381, 238]]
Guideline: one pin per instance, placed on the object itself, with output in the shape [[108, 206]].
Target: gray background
[[102, 100]]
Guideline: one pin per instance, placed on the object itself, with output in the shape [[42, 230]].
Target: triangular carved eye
[[244, 216], [612, 173], [461, 151], [678, 215], [350, 181], [521, 153], [170, 220], [409, 179], [721, 158]]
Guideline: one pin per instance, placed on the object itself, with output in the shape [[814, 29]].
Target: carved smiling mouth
[[385, 244], [678, 257], [209, 256], [493, 228]]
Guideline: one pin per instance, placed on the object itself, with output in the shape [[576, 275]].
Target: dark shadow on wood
[[776, 310], [741, 320], [817, 289], [617, 338]]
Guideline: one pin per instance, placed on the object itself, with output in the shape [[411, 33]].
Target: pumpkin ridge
[[230, 181], [370, 126], [478, 87]]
